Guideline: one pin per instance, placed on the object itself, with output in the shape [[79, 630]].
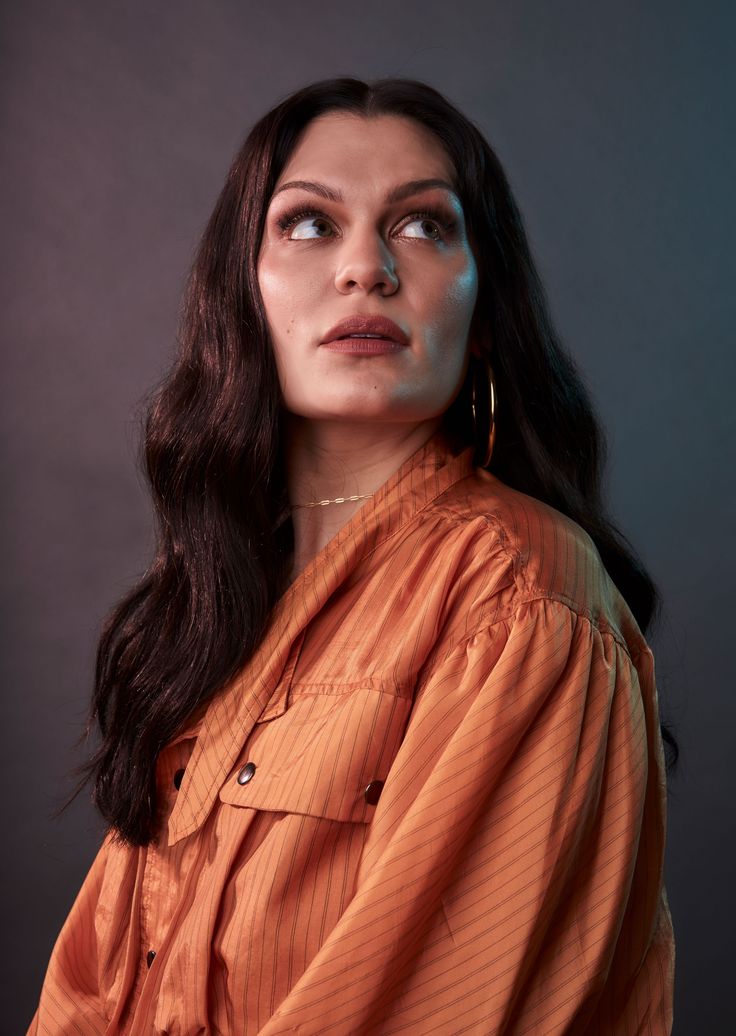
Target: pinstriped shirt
[[432, 802]]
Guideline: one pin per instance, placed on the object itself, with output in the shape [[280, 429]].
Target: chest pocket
[[326, 756]]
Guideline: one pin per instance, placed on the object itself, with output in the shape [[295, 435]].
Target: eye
[[434, 222], [290, 220], [435, 225], [434, 232]]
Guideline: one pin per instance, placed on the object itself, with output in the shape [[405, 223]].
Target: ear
[[477, 333], [474, 347]]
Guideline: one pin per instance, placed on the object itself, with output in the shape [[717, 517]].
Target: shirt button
[[149, 957], [372, 792], [178, 776], [246, 773]]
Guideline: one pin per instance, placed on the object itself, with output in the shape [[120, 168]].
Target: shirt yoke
[[545, 552]]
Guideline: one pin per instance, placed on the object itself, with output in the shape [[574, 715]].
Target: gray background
[[614, 122]]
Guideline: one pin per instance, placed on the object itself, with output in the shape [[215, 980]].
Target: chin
[[356, 408]]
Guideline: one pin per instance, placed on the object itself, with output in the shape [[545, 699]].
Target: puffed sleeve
[[511, 881]]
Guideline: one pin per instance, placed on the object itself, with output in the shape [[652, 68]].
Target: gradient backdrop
[[614, 122]]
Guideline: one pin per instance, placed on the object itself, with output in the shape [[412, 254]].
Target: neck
[[327, 459]]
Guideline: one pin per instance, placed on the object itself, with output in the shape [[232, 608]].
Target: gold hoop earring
[[491, 435]]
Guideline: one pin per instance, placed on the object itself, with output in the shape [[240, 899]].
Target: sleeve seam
[[539, 595], [528, 592]]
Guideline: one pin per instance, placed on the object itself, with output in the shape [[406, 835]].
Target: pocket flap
[[319, 757]]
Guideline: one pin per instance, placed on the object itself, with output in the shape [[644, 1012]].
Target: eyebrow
[[400, 193]]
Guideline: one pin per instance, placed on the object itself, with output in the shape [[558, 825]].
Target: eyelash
[[435, 215]]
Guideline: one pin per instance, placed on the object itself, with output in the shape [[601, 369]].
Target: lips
[[366, 325]]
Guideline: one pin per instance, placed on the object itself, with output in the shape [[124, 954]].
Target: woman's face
[[360, 252]]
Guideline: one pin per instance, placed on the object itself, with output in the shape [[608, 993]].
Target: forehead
[[382, 149]]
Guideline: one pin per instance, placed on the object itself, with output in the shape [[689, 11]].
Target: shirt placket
[[155, 924], [157, 873]]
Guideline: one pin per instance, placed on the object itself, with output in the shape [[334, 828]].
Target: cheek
[[282, 282], [463, 290], [453, 302], [274, 289], [275, 298], [281, 302]]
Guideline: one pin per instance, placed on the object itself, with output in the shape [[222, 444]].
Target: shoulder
[[519, 549]]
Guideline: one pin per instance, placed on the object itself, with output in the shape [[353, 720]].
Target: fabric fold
[[453, 814]]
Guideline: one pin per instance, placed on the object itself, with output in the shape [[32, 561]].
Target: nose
[[365, 261]]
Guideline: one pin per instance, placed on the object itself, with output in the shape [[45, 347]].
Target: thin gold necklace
[[337, 500]]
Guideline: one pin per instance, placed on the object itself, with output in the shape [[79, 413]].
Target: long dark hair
[[213, 450]]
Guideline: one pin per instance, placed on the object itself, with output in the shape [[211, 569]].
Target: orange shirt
[[433, 802]]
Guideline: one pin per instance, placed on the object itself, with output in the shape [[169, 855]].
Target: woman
[[380, 740]]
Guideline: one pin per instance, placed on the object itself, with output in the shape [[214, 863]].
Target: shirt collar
[[232, 714]]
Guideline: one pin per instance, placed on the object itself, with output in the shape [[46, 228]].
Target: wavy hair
[[213, 450]]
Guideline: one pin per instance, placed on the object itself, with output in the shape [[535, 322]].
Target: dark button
[[178, 779], [372, 792], [149, 957], [246, 773]]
